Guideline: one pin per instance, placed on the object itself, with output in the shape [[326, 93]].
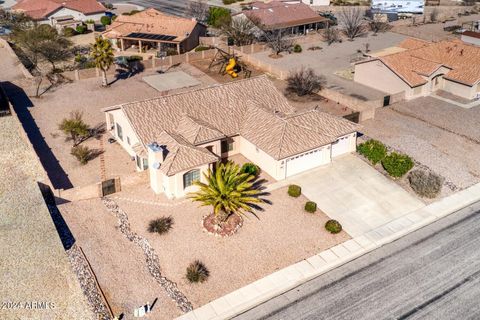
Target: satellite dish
[[156, 165]]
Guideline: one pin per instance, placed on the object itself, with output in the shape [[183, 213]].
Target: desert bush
[[310, 206], [75, 128], [105, 20], [134, 58], [81, 29], [228, 1], [251, 169], [90, 21], [425, 184], [333, 226], [197, 272], [297, 48], [294, 190], [218, 16], [397, 165], [69, 32], [373, 150], [82, 153], [161, 225], [304, 82], [201, 48]]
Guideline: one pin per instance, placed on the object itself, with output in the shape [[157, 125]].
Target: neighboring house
[[419, 68], [178, 137], [288, 17], [61, 13], [471, 37], [154, 29]]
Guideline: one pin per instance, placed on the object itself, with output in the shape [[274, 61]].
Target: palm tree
[[102, 54], [228, 191]]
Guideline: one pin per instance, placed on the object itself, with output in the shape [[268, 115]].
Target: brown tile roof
[[472, 34], [41, 9], [413, 43], [463, 60], [276, 14], [253, 108], [151, 21], [182, 155]]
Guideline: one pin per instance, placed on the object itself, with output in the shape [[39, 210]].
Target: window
[[138, 160], [128, 140], [111, 120], [227, 146], [311, 1], [145, 163], [119, 132], [190, 177]]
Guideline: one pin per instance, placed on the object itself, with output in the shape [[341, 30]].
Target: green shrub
[[294, 190], [373, 150], [310, 206], [82, 153], [89, 21], [161, 225], [250, 168], [228, 1], [197, 272], [81, 29], [425, 184], [218, 16], [171, 52], [397, 164], [134, 58], [333, 226], [105, 20], [201, 48], [297, 48], [69, 32]]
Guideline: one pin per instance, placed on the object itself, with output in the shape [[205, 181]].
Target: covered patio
[[147, 41]]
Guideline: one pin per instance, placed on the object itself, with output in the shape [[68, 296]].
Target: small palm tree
[[102, 54], [228, 191]]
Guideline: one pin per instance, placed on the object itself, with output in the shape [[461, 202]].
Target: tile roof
[[41, 9], [151, 21], [472, 34], [426, 57], [277, 14], [413, 43], [252, 108], [182, 155]]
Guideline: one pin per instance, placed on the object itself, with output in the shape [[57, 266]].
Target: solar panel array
[[149, 36]]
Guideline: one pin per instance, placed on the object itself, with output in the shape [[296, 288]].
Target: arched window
[[190, 177]]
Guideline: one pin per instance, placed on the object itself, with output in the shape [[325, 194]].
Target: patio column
[[304, 28], [178, 48], [122, 45], [140, 46]]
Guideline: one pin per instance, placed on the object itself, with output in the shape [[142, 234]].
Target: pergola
[[149, 37]]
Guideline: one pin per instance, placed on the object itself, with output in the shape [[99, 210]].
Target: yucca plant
[[228, 191]]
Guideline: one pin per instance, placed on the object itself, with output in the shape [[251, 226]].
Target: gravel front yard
[[448, 154]]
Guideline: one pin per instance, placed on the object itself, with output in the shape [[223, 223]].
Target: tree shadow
[[124, 72], [21, 102], [63, 230]]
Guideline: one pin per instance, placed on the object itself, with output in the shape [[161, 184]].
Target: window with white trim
[[119, 132], [190, 177]]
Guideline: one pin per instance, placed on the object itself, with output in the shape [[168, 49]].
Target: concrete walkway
[[352, 192], [292, 276]]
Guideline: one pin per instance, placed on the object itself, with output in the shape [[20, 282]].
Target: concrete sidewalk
[[290, 277]]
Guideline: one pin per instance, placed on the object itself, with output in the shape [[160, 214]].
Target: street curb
[[283, 280]]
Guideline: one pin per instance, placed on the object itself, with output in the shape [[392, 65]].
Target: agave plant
[[228, 191]]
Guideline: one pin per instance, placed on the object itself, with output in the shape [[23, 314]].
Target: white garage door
[[307, 161], [341, 146]]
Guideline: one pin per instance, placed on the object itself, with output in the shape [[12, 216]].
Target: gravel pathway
[[88, 283], [151, 257]]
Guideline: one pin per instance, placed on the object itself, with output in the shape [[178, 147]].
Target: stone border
[[294, 275]]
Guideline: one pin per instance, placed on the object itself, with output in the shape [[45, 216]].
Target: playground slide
[[229, 68]]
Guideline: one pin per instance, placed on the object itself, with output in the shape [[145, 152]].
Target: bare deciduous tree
[[434, 15], [331, 35], [279, 42], [304, 82], [351, 21], [197, 9], [241, 30]]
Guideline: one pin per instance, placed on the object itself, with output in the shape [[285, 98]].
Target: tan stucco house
[[178, 137], [418, 68], [154, 29]]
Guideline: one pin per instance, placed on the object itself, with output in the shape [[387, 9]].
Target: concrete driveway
[[355, 194]]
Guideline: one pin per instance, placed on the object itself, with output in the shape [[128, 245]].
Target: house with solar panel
[[152, 30]]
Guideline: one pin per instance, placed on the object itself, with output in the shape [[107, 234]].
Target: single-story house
[[154, 29], [61, 13], [288, 17], [179, 137], [419, 67], [471, 37]]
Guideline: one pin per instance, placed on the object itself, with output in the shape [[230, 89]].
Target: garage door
[[307, 161], [341, 146]]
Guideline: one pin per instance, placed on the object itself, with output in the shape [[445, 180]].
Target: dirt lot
[[441, 136], [282, 235]]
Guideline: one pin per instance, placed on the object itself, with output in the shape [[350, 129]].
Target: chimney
[[157, 154]]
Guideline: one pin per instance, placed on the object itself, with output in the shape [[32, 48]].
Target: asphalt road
[[433, 273]]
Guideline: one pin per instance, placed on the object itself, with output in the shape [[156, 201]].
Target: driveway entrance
[[352, 192]]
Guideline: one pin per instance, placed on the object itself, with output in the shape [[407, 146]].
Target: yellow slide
[[229, 68]]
